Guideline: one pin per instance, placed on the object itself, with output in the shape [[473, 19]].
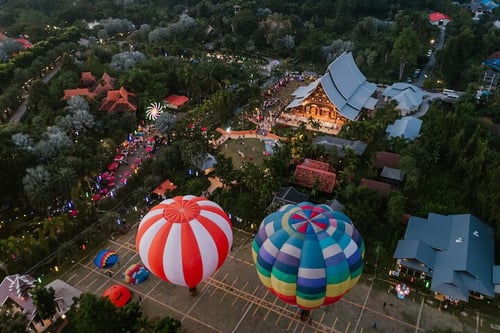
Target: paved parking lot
[[234, 299]]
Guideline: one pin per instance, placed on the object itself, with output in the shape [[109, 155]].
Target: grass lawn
[[251, 148]]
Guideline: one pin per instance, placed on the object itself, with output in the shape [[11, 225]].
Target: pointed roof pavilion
[[345, 86]]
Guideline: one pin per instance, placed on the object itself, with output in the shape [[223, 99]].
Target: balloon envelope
[[184, 239], [106, 259], [118, 295], [308, 255], [135, 274]]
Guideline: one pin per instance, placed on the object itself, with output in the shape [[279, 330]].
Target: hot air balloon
[[106, 259], [118, 295], [308, 255], [184, 240], [135, 274]]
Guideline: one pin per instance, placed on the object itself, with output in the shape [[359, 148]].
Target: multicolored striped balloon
[[184, 240], [308, 255]]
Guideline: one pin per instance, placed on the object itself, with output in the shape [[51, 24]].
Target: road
[[21, 110], [432, 59]]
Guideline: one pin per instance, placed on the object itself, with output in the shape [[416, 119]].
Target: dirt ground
[[234, 300]]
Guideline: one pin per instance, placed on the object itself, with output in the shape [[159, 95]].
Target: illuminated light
[[56, 268]]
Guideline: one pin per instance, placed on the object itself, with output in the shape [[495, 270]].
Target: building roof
[[336, 205], [457, 251], [408, 96], [436, 16], [26, 43], [68, 93], [310, 171], [289, 195], [328, 141], [119, 101], [206, 162], [386, 159], [63, 294], [105, 84], [345, 86], [406, 127], [87, 79], [15, 287], [164, 187], [489, 4], [393, 174], [175, 101], [383, 189]]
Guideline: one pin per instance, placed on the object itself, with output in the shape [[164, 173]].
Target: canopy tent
[[118, 295], [119, 158], [113, 166]]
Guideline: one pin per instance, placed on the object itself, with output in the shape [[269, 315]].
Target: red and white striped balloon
[[184, 239]]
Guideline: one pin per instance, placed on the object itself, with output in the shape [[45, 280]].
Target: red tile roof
[[309, 171], [105, 84], [436, 16], [68, 93], [386, 159], [119, 101], [175, 101], [87, 79], [164, 187], [383, 189], [26, 43]]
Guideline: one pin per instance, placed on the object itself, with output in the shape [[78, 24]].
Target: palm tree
[[67, 250], [37, 187], [64, 180], [108, 221]]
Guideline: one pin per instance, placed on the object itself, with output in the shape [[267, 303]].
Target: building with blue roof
[[338, 96], [408, 97], [406, 127], [456, 251]]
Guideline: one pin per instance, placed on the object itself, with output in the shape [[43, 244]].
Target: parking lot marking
[[363, 308], [241, 319]]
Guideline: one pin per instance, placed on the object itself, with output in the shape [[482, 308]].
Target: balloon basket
[[304, 315], [193, 292]]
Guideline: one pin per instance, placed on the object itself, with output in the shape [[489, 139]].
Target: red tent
[[113, 166], [119, 158], [118, 295]]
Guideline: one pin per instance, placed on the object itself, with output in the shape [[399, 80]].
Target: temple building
[[335, 98]]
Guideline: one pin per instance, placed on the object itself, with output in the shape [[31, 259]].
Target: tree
[[224, 169], [43, 299], [124, 61], [92, 313], [396, 207], [405, 49], [64, 179], [37, 187], [168, 325], [165, 123], [13, 321]]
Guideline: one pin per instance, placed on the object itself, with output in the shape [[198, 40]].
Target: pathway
[[21, 110]]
